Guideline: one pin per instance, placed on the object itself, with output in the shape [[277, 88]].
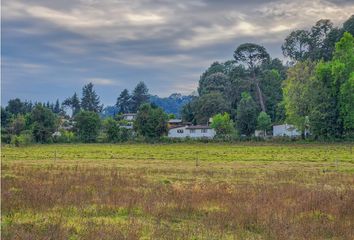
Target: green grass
[[178, 191]]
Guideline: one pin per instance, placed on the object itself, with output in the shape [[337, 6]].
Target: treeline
[[314, 91], [26, 122]]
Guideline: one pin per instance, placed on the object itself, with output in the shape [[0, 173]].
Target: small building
[[174, 123], [259, 133], [56, 134], [130, 117], [196, 131], [285, 130]]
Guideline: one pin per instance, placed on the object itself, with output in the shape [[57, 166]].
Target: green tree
[[271, 84], [171, 116], [208, 105], [320, 44], [223, 124], [348, 26], [56, 108], [253, 56], [140, 96], [73, 103], [188, 111], [112, 129], [124, 102], [43, 123], [246, 115], [297, 45], [264, 122], [90, 101], [87, 125], [347, 104], [17, 124], [298, 93], [150, 122], [5, 117], [15, 106], [216, 82]]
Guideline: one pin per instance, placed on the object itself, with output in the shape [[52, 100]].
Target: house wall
[[173, 133], [199, 134], [129, 118], [285, 130]]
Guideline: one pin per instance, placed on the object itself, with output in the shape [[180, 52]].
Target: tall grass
[[109, 202]]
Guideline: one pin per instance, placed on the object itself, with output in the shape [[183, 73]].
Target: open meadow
[[178, 191]]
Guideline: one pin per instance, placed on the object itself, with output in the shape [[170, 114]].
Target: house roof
[[198, 127], [179, 126], [175, 120], [129, 114]]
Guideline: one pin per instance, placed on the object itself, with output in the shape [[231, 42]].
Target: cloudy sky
[[50, 49]]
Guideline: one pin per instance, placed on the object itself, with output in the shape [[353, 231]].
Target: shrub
[[24, 139]]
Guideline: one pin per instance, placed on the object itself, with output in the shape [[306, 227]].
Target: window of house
[[179, 130], [204, 130], [192, 130]]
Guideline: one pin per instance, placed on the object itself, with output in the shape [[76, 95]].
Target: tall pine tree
[[90, 101], [140, 96], [124, 102]]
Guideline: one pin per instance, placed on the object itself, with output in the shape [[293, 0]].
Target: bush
[[24, 139], [65, 137]]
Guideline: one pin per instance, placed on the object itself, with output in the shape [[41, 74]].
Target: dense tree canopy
[[151, 122], [253, 56], [87, 125], [246, 115]]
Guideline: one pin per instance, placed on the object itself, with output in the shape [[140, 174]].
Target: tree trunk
[[259, 93]]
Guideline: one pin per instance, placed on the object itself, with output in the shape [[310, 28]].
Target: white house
[[197, 131], [130, 117], [285, 130]]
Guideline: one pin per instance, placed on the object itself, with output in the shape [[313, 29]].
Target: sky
[[50, 49]]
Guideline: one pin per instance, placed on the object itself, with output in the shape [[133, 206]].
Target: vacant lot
[[178, 191]]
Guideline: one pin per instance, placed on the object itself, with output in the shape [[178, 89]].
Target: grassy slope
[[157, 192]]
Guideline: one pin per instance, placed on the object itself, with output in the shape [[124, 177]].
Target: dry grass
[[159, 199]]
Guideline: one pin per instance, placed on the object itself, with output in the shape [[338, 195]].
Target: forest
[[313, 90]]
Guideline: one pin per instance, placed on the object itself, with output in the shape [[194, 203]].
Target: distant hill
[[172, 104]]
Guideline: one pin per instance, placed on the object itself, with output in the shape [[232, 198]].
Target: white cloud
[[103, 81]]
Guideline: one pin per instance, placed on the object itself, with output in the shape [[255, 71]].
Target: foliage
[[271, 85], [124, 102], [87, 126], [15, 106], [208, 105], [23, 139], [263, 121], [253, 56], [90, 101], [296, 45], [246, 115], [150, 122], [223, 124], [74, 103], [216, 82], [298, 93], [140, 96], [43, 123]]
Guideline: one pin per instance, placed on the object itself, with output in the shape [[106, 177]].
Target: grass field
[[178, 191]]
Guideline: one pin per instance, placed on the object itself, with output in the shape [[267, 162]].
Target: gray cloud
[[166, 43]]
